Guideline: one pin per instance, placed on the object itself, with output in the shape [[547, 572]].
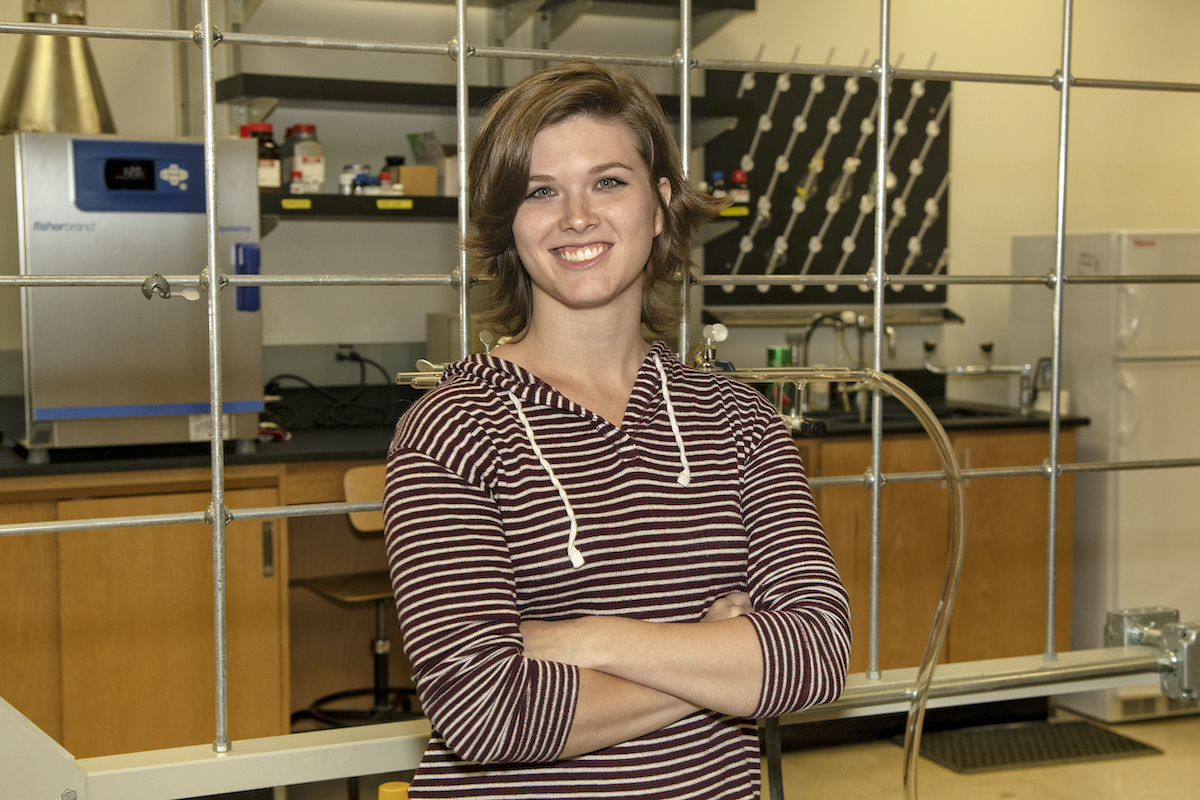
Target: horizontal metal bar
[[442, 279], [936, 280], [187, 518], [102, 523], [1039, 677], [1158, 357], [344, 280], [1011, 472], [533, 54], [195, 282], [323, 43], [95, 32], [329, 509]]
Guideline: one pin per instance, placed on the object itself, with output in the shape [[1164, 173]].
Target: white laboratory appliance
[[1131, 363], [108, 365]]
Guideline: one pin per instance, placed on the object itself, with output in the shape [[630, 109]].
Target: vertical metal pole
[[216, 515], [881, 170], [685, 147], [460, 52], [1056, 356]]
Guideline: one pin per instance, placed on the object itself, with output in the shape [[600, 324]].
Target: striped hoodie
[[506, 501]]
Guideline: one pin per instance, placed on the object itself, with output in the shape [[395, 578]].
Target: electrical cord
[[340, 410]]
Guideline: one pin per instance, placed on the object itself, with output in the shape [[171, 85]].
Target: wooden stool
[[388, 703]]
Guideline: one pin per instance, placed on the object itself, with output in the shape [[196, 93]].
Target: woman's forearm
[[611, 710], [715, 665]]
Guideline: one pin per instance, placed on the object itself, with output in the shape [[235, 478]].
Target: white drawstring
[[685, 477], [572, 551]]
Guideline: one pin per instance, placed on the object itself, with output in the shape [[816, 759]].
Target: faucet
[[1027, 393], [799, 341]]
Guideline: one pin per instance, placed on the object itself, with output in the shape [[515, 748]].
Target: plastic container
[[351, 176], [739, 192], [717, 187], [302, 152], [270, 173], [393, 790]]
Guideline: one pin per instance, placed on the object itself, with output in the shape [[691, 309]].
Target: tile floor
[[874, 771]]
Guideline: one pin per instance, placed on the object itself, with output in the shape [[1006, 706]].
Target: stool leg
[[381, 646]]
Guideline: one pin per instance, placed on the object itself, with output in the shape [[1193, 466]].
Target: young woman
[[606, 564]]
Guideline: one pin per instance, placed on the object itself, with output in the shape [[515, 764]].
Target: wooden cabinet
[[30, 662], [108, 633], [1000, 609]]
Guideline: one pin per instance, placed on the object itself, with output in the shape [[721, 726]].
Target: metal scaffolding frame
[[134, 775]]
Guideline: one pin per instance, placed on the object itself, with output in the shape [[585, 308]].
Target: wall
[[1133, 160]]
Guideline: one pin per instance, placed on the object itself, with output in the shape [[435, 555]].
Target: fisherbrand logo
[[65, 227]]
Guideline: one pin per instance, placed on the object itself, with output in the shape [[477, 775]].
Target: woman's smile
[[577, 255]]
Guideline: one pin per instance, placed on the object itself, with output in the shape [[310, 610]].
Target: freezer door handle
[[1130, 317], [1128, 415]]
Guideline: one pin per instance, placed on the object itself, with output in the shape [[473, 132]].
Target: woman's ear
[[664, 191]]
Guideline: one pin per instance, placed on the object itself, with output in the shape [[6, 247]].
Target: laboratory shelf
[[712, 115], [283, 206]]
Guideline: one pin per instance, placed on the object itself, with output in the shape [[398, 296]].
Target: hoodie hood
[[523, 389]]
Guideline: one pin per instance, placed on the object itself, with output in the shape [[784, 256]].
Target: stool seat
[[352, 589]]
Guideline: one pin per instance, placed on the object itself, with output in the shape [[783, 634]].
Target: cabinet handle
[[268, 547]]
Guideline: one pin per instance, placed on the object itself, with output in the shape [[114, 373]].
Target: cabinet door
[[913, 545], [29, 655], [1001, 605], [136, 610]]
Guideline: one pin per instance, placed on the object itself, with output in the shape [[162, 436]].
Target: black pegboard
[[726, 152]]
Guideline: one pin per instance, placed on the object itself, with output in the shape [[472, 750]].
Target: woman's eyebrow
[[611, 165], [593, 171]]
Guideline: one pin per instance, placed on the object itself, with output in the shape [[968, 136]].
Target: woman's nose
[[578, 212]]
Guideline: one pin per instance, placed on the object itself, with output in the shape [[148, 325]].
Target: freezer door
[[1157, 525], [1159, 319]]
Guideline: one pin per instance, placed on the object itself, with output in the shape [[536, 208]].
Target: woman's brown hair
[[498, 179]]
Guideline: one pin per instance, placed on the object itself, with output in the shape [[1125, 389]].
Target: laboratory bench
[[108, 633]]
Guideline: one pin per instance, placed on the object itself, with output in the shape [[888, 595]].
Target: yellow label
[[295, 203], [394, 204], [735, 211]]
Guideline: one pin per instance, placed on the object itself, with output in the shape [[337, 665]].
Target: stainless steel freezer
[[107, 366]]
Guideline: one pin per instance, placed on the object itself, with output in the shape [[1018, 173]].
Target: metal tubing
[[685, 154], [883, 78], [194, 282], [1060, 230], [533, 54], [328, 509], [461, 51], [516, 53], [216, 515]]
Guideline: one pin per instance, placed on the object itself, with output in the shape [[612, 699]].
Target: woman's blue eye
[[541, 191], [610, 183]]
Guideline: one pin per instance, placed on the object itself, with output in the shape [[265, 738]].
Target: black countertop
[[342, 424]]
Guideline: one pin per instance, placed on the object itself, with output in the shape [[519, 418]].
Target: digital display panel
[[124, 174]]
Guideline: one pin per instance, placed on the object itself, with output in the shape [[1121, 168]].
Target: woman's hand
[[728, 607]]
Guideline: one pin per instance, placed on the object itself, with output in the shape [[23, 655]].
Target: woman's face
[[590, 214]]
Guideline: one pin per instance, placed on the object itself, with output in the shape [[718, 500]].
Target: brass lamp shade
[[54, 86]]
